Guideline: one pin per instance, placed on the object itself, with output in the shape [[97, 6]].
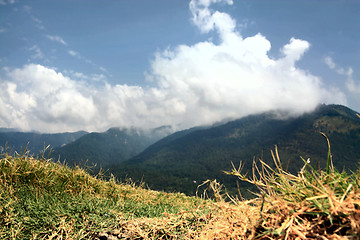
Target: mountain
[[17, 141], [8, 130], [183, 160], [110, 147]]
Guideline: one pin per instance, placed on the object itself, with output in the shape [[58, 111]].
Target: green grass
[[40, 199]]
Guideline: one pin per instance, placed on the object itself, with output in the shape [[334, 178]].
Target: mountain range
[[12, 140], [180, 161], [110, 147], [183, 160]]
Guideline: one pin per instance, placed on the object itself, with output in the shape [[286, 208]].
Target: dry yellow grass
[[310, 205]]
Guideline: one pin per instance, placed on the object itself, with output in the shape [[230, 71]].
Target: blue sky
[[90, 65]]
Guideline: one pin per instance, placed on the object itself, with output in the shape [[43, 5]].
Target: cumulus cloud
[[193, 85], [207, 20], [39, 98], [36, 97]]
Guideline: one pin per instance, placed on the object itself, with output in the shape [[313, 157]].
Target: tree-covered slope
[[110, 147], [35, 142], [182, 161]]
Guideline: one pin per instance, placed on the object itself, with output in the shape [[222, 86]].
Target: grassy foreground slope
[[40, 199]]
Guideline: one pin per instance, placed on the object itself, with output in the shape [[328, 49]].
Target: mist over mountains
[[180, 161], [183, 160], [110, 147], [14, 141]]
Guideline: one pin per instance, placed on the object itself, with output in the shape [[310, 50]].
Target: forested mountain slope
[[110, 147], [180, 162], [34, 142]]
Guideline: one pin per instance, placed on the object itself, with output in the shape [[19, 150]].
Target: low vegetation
[[40, 199], [314, 204]]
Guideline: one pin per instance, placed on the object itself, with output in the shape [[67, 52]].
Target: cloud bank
[[194, 85]]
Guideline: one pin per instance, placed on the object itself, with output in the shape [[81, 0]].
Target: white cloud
[[353, 87], [88, 61], [237, 77], [350, 83], [193, 85], [37, 21], [4, 2], [56, 38], [39, 98], [37, 53], [295, 50], [341, 71], [207, 20], [79, 76], [103, 69], [329, 61], [74, 53]]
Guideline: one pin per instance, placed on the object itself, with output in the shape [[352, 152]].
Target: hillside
[[182, 161], [110, 147], [40, 199], [34, 142]]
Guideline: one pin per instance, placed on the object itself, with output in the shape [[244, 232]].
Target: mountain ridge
[[179, 161], [13, 140], [112, 146]]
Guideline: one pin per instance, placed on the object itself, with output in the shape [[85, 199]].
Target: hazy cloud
[[329, 62], [56, 39], [350, 83], [37, 21], [37, 53], [4, 2], [193, 85], [74, 53], [79, 56], [341, 71], [83, 77], [103, 69]]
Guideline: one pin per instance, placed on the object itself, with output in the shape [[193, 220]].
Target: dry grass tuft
[[312, 205]]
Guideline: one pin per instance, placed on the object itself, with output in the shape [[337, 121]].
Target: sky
[[90, 65]]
